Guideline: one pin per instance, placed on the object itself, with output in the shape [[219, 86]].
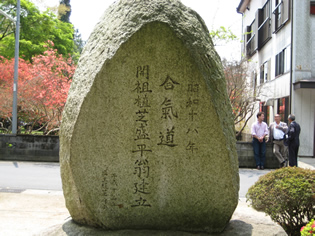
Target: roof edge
[[242, 6]]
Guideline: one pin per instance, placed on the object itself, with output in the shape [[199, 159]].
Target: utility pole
[[16, 68], [16, 64]]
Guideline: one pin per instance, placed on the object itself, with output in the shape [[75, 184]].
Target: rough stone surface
[[147, 139]]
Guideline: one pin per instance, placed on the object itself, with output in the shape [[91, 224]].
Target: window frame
[[251, 40], [312, 7], [280, 15], [265, 109], [265, 72], [264, 16], [282, 62], [254, 82], [285, 103]]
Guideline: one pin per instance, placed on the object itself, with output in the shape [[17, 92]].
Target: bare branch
[[242, 98]]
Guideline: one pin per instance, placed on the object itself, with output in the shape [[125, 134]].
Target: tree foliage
[[42, 89], [222, 35], [36, 29], [78, 45], [64, 11], [241, 93]]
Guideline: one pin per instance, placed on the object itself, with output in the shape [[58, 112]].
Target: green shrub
[[287, 195]]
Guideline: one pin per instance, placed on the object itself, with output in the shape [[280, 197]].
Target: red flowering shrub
[[309, 229], [42, 89]]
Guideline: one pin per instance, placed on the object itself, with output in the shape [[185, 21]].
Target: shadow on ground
[[70, 228]]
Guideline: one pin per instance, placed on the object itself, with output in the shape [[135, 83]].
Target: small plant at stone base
[[9, 145], [287, 195], [309, 229]]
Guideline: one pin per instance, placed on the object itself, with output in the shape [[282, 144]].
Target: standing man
[[276, 132], [259, 131], [293, 140]]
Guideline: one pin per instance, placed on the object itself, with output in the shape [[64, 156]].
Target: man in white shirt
[[259, 131], [276, 132]]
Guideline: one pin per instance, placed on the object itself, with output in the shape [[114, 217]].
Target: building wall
[[312, 18], [278, 86], [302, 41], [304, 109], [281, 86], [303, 100], [303, 67]]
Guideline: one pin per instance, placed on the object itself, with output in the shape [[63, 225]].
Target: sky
[[215, 13]]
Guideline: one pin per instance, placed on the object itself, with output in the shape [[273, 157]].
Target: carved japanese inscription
[[141, 154]]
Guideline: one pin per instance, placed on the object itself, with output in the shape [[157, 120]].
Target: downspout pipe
[[291, 61]]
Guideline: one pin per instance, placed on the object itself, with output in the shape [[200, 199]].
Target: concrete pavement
[[307, 163], [41, 212], [30, 211]]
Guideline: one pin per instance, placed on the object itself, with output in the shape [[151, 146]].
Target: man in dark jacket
[[293, 140]]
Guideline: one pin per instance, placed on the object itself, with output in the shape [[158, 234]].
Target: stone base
[[234, 228], [245, 221]]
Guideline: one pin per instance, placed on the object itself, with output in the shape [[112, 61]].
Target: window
[[262, 74], [259, 32], [251, 41], [283, 62], [283, 108], [264, 24], [265, 72], [253, 80], [312, 8], [279, 64], [281, 14], [265, 109]]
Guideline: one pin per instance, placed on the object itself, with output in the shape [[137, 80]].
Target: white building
[[279, 41]]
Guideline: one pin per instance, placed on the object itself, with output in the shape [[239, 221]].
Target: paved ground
[[32, 211], [30, 175], [28, 212]]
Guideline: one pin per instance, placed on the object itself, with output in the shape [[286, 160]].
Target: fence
[[29, 148], [46, 148]]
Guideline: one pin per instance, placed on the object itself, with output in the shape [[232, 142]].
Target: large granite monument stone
[[147, 139]]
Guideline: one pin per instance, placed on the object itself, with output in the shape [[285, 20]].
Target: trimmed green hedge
[[287, 195]]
